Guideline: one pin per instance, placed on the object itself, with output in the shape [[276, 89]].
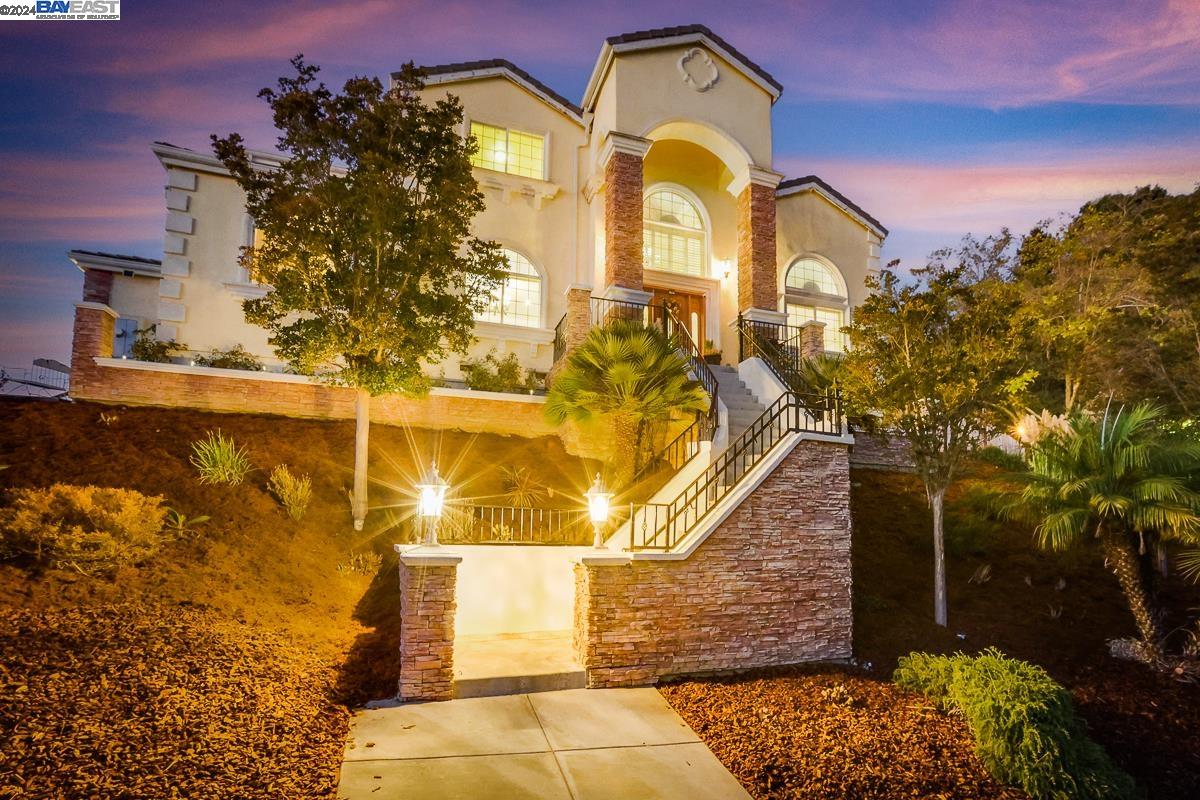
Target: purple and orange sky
[[939, 118]]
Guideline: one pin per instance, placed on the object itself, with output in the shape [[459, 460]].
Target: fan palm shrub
[[1113, 481], [632, 376]]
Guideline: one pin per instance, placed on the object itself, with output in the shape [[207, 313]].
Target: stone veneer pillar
[[576, 324], [756, 255], [92, 338], [97, 286], [621, 159], [812, 339], [427, 607]]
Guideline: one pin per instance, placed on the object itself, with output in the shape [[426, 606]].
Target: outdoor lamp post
[[598, 497], [431, 497]]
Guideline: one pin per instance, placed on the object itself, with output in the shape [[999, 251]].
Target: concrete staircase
[[743, 408]]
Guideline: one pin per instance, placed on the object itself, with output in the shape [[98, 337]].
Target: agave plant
[[632, 375], [1114, 481]]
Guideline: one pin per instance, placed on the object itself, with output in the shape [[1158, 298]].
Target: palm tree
[[630, 374], [1113, 480]]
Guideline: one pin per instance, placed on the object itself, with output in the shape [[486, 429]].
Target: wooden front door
[[688, 308]]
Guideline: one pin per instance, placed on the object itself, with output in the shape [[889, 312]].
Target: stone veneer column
[[427, 607], [812, 339], [97, 286], [576, 324], [757, 284], [621, 159], [92, 338]]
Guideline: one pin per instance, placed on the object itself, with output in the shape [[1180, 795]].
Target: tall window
[[518, 298], [672, 233], [506, 150], [124, 335], [813, 292]]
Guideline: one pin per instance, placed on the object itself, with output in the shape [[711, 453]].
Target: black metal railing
[[560, 339], [780, 348], [605, 311], [483, 524], [695, 357], [660, 526]]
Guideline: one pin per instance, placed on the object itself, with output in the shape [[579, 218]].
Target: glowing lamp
[[598, 498], [432, 493]]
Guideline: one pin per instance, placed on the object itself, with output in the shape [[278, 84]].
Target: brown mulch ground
[[827, 733], [794, 733], [137, 702]]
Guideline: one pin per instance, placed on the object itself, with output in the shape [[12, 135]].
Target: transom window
[[673, 238], [506, 150], [814, 292], [518, 298]]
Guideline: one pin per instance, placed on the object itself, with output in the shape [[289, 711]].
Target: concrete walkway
[[578, 744]]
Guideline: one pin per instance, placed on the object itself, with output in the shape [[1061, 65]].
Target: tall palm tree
[[1113, 480], [630, 374]]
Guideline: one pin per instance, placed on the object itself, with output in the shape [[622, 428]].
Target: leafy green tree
[[937, 363], [365, 236], [630, 375], [1115, 481]]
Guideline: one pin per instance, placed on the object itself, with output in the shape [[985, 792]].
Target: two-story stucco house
[[659, 186]]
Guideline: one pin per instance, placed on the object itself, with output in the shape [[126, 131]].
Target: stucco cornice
[[109, 262], [753, 175]]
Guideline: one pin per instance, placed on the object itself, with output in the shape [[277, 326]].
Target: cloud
[[82, 198], [922, 201]]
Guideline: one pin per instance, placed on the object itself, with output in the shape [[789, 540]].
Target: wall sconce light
[[431, 497], [598, 498]]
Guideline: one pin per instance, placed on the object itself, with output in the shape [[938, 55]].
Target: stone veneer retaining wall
[[427, 608], [228, 391], [874, 451], [771, 585]]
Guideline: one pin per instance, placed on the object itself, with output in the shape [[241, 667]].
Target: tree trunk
[[362, 424], [1122, 559], [624, 456], [937, 501]]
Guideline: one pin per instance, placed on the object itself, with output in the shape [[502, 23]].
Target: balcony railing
[[484, 524]]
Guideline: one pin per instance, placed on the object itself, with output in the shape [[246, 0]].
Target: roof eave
[[113, 263], [570, 113]]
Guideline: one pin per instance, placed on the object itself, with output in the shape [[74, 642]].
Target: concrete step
[[515, 663]]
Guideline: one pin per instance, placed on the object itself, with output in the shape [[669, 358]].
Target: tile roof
[[814, 179], [500, 63], [152, 261]]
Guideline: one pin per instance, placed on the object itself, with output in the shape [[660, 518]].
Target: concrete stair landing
[[515, 663]]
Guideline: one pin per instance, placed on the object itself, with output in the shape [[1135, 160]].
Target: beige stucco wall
[[808, 224], [551, 221]]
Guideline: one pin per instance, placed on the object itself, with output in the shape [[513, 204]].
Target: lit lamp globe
[[431, 496], [598, 498]]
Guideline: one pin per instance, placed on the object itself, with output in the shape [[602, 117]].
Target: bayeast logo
[[62, 10]]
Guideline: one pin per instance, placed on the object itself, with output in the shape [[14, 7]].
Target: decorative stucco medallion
[[698, 70]]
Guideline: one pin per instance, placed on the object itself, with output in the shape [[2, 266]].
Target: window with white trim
[[124, 335], [508, 150], [812, 291], [517, 300], [673, 235], [251, 237]]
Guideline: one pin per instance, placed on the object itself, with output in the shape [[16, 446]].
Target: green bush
[[1010, 462], [235, 357], [85, 528], [494, 374], [1025, 728], [147, 348], [294, 492], [219, 459]]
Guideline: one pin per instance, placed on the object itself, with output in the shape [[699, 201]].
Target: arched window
[[813, 291], [673, 236], [518, 298]]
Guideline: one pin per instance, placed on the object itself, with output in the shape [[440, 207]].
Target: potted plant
[[712, 355]]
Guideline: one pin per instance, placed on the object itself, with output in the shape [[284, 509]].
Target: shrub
[[493, 374], [86, 528], [521, 488], [365, 563], [1010, 462], [220, 460], [1025, 728], [292, 491], [235, 357], [146, 347]]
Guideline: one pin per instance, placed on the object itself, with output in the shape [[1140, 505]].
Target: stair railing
[[661, 526], [779, 348]]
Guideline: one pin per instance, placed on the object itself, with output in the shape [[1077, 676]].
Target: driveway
[[578, 744]]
